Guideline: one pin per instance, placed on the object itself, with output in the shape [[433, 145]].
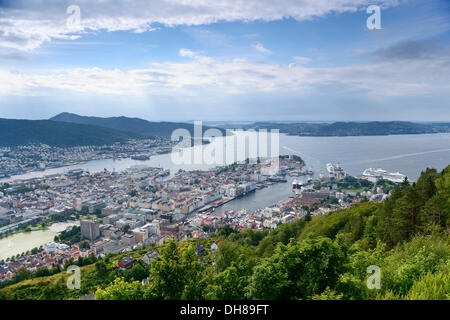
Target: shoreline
[[44, 229], [16, 178], [12, 179]]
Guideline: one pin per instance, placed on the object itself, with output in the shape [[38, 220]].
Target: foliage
[[412, 209], [122, 290], [70, 236], [352, 183], [431, 287], [298, 270]]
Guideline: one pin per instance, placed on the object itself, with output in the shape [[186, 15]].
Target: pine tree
[[425, 184], [308, 216], [435, 211]]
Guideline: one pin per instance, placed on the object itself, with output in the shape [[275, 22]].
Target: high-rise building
[[90, 229]]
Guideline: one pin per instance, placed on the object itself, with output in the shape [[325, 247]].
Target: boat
[[206, 209], [74, 172], [276, 178], [377, 174], [140, 157], [297, 184], [336, 171]]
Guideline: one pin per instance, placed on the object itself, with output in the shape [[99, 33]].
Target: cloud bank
[[381, 78], [27, 24]]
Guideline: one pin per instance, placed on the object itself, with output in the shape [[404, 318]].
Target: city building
[[90, 229]]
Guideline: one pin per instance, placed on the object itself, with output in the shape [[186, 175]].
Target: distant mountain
[[55, 133], [134, 125], [374, 128]]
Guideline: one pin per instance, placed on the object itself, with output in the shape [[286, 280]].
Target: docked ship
[[297, 185], [140, 157], [378, 174], [74, 172], [336, 171]]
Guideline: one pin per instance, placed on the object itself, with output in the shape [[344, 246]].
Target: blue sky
[[226, 60]]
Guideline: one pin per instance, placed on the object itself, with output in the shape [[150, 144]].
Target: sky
[[226, 60]]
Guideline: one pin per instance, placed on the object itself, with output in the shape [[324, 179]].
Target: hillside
[[126, 124], [375, 128], [326, 258], [61, 134]]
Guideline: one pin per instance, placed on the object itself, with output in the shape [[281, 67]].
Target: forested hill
[[135, 125], [406, 237], [375, 128], [62, 134]]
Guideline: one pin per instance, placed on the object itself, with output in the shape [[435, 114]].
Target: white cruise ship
[[377, 174], [336, 171]]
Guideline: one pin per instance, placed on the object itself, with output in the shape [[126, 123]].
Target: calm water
[[408, 154], [260, 198], [22, 242]]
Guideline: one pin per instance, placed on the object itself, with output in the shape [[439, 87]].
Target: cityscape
[[224, 159], [116, 212]]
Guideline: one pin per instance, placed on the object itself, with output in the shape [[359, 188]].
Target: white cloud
[[302, 60], [187, 53], [378, 80], [85, 80], [260, 48], [26, 24]]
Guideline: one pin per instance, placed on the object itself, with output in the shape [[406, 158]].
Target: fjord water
[[408, 154]]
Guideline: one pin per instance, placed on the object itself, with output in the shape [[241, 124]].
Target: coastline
[[14, 178]]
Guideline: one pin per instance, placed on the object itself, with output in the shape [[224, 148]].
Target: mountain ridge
[[340, 128], [126, 124], [16, 132]]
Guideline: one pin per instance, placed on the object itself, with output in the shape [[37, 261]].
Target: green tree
[[370, 231], [22, 274], [133, 193], [122, 290], [435, 211], [178, 274], [298, 270], [85, 245], [138, 272], [399, 216], [425, 184], [308, 216], [101, 268]]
